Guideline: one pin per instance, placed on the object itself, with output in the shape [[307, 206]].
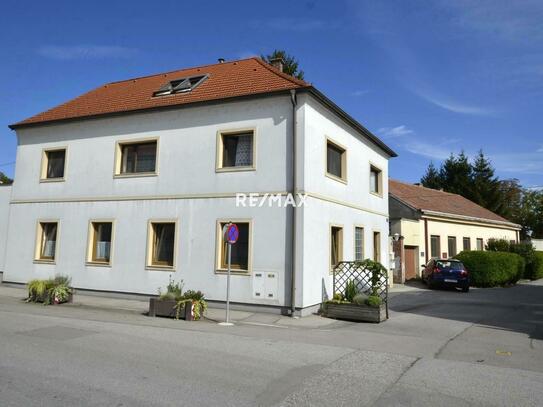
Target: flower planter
[[354, 312], [166, 308]]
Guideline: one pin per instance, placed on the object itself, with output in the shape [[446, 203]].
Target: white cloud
[[360, 92], [453, 106], [392, 132], [85, 52], [519, 162], [540, 149]]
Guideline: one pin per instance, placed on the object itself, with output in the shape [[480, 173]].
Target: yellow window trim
[[219, 247], [45, 162], [90, 243], [117, 161], [343, 178], [220, 149], [149, 265], [38, 242]]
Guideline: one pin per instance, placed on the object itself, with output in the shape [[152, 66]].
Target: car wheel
[[430, 284]]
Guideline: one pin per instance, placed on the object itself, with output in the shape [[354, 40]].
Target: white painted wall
[[334, 202], [186, 167], [538, 244], [5, 194]]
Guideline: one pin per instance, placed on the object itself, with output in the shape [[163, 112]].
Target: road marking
[[503, 352]]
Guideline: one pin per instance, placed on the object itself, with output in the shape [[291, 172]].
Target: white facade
[[5, 196], [188, 189]]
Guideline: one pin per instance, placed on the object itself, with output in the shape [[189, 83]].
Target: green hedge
[[534, 270], [491, 269]]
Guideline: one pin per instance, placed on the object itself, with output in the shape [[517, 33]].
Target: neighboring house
[[5, 195], [538, 244], [428, 223], [132, 182]]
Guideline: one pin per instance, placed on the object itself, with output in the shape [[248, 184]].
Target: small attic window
[[180, 85]]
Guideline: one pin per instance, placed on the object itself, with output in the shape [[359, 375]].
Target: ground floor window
[[358, 243], [47, 241], [466, 243], [376, 246], [451, 240], [435, 247], [100, 237], [336, 245], [239, 251], [161, 244], [480, 245]]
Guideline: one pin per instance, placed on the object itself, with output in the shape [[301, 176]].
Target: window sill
[[97, 264], [160, 268], [43, 261], [233, 272], [45, 180], [136, 175], [235, 169], [336, 178], [376, 194]]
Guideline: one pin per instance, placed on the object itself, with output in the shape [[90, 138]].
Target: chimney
[[278, 63], [221, 60]]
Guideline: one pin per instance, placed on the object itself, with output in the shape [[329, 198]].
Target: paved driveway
[[439, 348]]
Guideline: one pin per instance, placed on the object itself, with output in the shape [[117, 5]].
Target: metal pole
[[228, 284]]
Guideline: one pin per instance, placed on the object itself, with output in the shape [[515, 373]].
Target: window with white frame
[[358, 243]]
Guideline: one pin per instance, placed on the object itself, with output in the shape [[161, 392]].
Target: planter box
[[166, 308], [354, 312]]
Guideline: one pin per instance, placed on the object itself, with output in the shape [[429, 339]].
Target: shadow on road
[[518, 308]]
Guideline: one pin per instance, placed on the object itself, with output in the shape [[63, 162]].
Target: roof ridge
[[286, 76], [422, 186]]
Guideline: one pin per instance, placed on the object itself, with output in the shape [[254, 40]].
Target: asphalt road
[[440, 348]]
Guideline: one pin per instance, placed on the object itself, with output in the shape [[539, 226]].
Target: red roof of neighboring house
[[426, 199], [226, 80]]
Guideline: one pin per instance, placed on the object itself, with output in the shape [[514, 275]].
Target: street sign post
[[230, 235]]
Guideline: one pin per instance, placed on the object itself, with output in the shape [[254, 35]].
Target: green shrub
[[534, 270], [51, 291], [491, 269], [374, 301], [498, 245], [360, 299], [174, 290], [350, 290], [338, 297]]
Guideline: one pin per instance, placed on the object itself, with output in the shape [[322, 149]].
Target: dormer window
[[182, 85]]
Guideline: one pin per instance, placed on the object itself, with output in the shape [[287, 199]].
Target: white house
[[130, 184], [5, 195]]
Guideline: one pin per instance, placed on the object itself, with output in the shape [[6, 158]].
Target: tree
[[485, 185], [432, 178], [290, 65], [455, 174], [530, 213], [4, 179]]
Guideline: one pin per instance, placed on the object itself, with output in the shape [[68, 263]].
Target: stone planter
[[354, 312], [166, 308]]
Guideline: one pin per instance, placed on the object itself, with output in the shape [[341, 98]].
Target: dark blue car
[[450, 272]]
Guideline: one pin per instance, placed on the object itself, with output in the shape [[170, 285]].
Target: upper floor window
[[336, 161], [53, 164], [136, 157], [236, 150], [181, 85], [376, 182]]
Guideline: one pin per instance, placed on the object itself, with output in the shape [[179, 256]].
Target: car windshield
[[450, 265]]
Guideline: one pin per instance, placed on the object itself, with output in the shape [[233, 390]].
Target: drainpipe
[[426, 239], [293, 191]]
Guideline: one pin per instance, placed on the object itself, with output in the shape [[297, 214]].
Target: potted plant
[[192, 305], [55, 290], [360, 305], [164, 305]]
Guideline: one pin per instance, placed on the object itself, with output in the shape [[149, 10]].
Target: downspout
[[426, 240], [293, 192]]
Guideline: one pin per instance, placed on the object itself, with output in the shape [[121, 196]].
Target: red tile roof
[[226, 80], [426, 199]]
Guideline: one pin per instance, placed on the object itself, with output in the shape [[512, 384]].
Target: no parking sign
[[232, 233]]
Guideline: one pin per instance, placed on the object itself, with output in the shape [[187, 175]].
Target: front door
[[410, 262]]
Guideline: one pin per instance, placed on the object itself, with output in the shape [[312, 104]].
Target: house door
[[410, 262]]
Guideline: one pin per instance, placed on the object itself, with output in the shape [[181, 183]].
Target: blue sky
[[429, 78]]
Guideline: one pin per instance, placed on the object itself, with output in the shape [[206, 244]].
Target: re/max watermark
[[255, 200]]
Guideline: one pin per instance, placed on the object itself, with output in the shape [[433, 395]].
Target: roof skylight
[[182, 85]]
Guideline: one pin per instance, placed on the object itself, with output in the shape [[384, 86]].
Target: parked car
[[449, 272]]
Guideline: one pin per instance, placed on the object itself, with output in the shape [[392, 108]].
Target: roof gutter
[[293, 191], [472, 219]]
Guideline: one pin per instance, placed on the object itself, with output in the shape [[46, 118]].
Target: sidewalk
[[212, 314]]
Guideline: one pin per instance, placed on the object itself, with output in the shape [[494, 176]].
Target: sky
[[427, 77]]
